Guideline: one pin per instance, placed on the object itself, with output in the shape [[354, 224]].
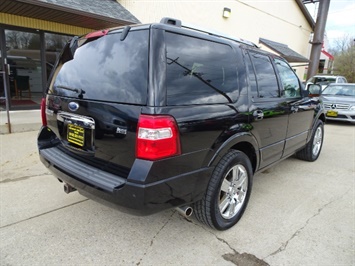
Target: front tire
[[313, 148], [228, 192]]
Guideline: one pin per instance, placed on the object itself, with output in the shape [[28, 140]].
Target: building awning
[[331, 57], [284, 51], [82, 13]]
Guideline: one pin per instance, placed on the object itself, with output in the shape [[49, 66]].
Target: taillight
[[43, 112], [157, 137]]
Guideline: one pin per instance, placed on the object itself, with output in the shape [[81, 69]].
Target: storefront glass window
[[26, 81], [25, 77]]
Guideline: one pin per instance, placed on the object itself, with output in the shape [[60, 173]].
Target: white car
[[325, 80]]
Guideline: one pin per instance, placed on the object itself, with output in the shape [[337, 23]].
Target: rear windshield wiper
[[80, 91]]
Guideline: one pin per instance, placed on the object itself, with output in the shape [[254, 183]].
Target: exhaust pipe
[[185, 211], [68, 188]]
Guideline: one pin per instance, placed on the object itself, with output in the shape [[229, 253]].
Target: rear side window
[[107, 69], [267, 86], [200, 71]]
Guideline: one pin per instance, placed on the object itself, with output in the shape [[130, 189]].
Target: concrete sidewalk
[[20, 121]]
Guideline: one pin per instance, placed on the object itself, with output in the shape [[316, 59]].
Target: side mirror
[[314, 90]]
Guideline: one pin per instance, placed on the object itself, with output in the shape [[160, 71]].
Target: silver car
[[338, 101]]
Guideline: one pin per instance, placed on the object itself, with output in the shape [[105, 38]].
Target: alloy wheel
[[233, 191], [317, 141]]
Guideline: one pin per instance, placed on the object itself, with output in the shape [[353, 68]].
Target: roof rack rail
[[220, 35], [178, 23]]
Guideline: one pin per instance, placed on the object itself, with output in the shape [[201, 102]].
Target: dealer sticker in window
[[76, 134], [332, 113]]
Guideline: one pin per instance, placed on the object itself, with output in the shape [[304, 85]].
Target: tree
[[344, 58], [34, 42], [13, 39], [56, 42], [25, 39]]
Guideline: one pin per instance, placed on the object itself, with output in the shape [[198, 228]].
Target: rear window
[[107, 69], [200, 71], [322, 80]]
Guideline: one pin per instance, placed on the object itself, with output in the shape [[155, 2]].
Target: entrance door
[[25, 78], [30, 56]]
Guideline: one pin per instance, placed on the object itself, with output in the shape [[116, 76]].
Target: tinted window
[[108, 69], [265, 76], [200, 71], [290, 84], [322, 80]]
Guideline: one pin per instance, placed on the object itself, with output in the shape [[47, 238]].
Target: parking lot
[[299, 213]]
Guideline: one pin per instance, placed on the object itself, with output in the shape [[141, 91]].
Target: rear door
[[269, 110]]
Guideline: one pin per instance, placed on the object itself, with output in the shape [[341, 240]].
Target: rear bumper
[[129, 194]]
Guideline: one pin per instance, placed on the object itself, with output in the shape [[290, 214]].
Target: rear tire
[[227, 193], [313, 148]]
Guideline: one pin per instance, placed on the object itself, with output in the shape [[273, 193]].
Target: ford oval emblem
[[73, 106]]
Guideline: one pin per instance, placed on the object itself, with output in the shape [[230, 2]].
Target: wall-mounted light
[[226, 12]]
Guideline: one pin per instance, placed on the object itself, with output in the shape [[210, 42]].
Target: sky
[[340, 21]]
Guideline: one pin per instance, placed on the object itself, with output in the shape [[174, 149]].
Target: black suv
[[156, 116]]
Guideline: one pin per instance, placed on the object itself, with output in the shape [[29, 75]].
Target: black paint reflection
[[199, 71], [108, 69]]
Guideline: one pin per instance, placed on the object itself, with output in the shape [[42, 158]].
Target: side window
[[200, 71], [290, 82], [265, 76]]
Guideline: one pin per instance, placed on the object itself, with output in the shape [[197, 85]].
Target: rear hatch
[[95, 97]]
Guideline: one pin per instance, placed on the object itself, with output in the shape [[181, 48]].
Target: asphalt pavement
[[299, 213]]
